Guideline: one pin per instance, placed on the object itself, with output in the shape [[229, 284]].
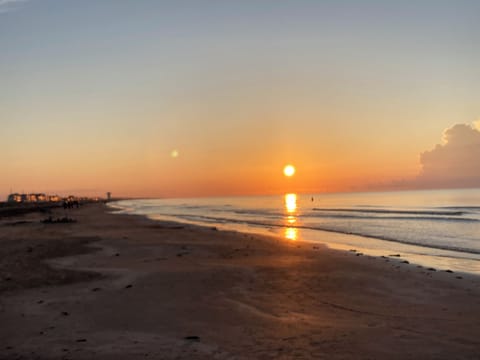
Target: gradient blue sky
[[95, 95]]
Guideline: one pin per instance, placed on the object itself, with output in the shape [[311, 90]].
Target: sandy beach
[[124, 287]]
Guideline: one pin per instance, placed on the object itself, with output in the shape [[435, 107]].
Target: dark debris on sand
[[192, 338], [63, 220]]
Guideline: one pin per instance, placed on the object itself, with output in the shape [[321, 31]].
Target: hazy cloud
[[6, 5], [476, 124], [455, 162]]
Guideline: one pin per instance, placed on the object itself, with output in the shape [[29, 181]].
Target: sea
[[435, 228]]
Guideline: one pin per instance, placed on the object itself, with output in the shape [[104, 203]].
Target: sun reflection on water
[[291, 202], [291, 233]]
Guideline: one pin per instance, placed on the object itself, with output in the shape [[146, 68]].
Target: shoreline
[[398, 258], [184, 291], [443, 260]]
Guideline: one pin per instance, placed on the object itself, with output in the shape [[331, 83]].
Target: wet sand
[[124, 287]]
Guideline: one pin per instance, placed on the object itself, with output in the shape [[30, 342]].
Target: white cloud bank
[[455, 162]]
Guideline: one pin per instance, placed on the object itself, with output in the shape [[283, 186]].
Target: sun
[[289, 170]]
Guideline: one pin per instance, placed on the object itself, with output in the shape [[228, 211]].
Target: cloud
[[476, 124], [6, 5], [6, 2], [455, 162]]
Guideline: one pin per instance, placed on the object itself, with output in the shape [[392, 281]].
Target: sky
[[208, 98]]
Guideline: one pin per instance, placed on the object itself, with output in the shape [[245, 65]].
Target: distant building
[[30, 198], [54, 198], [41, 197], [14, 198]]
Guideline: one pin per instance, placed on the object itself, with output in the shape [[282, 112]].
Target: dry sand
[[142, 289]]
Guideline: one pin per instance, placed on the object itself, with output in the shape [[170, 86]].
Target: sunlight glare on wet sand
[[291, 233]]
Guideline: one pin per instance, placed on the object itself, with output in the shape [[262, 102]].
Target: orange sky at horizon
[[249, 171], [216, 161], [197, 175]]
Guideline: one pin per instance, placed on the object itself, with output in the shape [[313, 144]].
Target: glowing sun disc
[[289, 170]]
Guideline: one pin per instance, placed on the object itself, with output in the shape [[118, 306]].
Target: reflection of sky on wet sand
[[291, 233]]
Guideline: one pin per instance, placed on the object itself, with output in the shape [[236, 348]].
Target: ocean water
[[439, 228]]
